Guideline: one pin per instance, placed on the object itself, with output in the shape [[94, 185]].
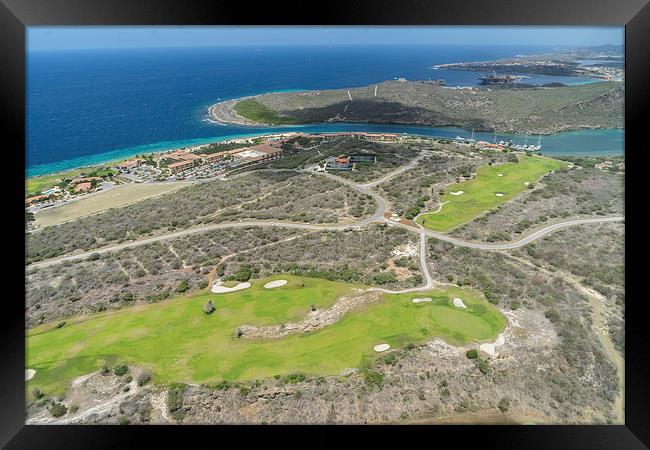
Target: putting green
[[480, 194], [181, 344]]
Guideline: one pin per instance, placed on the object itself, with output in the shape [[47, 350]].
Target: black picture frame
[[16, 15]]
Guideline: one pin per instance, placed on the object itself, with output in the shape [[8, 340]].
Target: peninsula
[[529, 110]]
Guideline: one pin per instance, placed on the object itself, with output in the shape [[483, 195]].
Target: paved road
[[520, 242], [378, 216]]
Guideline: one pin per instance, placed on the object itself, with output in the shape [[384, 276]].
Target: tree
[[209, 308]]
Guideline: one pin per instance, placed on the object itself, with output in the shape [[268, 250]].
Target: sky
[[110, 37]]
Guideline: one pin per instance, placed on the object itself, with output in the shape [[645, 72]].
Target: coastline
[[224, 113], [113, 156]]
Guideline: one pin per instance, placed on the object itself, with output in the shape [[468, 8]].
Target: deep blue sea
[[87, 107]]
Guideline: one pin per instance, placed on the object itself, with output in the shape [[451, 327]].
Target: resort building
[[83, 187], [35, 199], [214, 157], [129, 164], [180, 166], [86, 180], [181, 155], [341, 162], [265, 150]]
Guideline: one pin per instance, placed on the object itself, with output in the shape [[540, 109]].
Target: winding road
[[377, 217]]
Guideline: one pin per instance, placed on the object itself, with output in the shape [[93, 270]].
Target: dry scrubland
[[572, 378], [158, 271], [566, 193], [551, 369], [282, 195], [595, 255], [524, 110]]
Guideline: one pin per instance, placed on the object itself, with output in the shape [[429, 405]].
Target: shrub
[[128, 378], [471, 354], [294, 378], [504, 404], [120, 370], [105, 370], [483, 365], [373, 378], [60, 324], [390, 359], [122, 420], [182, 286], [552, 315], [73, 409], [243, 274], [58, 410]]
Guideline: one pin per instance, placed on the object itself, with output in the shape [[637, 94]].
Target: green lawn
[[480, 193], [34, 185], [251, 109], [180, 344]]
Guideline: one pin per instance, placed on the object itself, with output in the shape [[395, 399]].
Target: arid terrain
[[546, 268]]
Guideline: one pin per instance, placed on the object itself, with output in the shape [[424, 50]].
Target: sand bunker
[[275, 284], [458, 303], [491, 348], [457, 193], [29, 374], [381, 347], [421, 300], [219, 289], [499, 194]]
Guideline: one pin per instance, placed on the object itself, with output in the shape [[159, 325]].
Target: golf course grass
[[179, 343], [480, 194]]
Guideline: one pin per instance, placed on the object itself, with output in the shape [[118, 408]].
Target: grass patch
[[122, 195], [180, 344], [479, 194], [251, 109], [34, 185]]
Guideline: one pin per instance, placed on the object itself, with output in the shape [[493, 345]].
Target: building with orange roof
[[124, 165], [180, 166], [35, 199], [182, 155], [83, 187]]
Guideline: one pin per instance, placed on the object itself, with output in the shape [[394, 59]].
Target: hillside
[[517, 110]]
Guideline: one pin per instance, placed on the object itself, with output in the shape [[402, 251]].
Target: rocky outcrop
[[315, 319]]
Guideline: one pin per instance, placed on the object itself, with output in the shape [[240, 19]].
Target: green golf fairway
[[179, 343], [479, 194]]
